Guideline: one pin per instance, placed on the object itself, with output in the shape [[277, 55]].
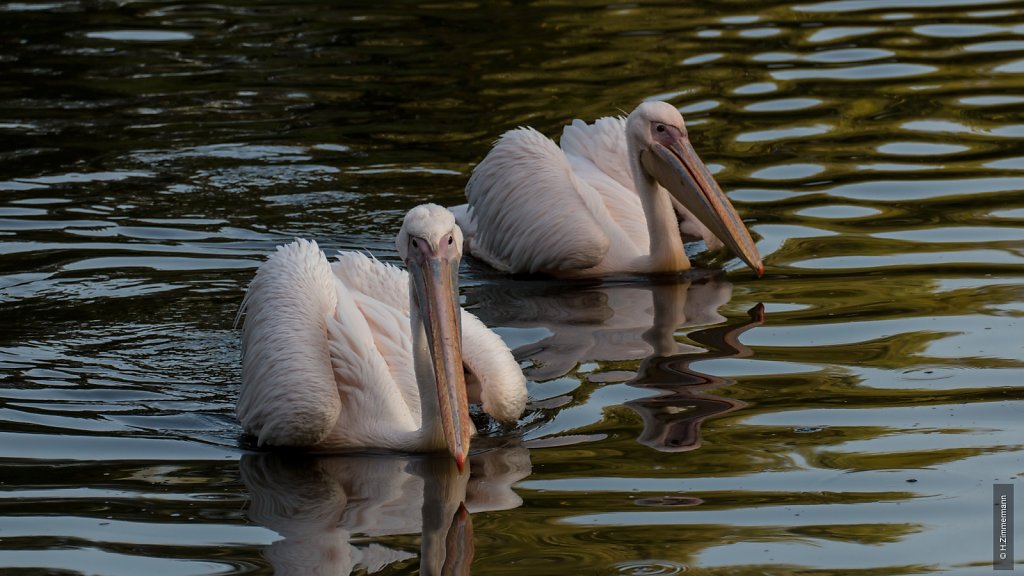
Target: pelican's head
[[660, 147], [430, 243]]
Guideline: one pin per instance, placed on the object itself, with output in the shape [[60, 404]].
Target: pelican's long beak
[[435, 278], [678, 168]]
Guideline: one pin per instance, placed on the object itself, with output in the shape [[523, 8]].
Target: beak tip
[[760, 269], [460, 462]]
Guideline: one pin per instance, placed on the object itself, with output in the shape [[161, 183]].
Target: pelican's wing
[[371, 351], [599, 156], [288, 394], [527, 210], [603, 143], [322, 363], [382, 293], [367, 275], [502, 387]]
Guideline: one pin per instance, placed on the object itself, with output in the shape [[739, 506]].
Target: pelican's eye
[[450, 240], [415, 244], [666, 133]]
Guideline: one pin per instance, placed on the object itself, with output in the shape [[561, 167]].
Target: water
[[847, 413]]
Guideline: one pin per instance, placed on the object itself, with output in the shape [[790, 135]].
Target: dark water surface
[[848, 413]]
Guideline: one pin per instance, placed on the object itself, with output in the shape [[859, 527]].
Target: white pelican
[[609, 201], [354, 355]]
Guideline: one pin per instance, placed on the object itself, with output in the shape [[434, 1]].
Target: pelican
[[354, 355], [609, 201]]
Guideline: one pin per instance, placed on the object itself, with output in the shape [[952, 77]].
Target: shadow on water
[[350, 513]]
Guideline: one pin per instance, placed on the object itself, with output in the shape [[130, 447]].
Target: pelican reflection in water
[[615, 322], [336, 513], [673, 417]]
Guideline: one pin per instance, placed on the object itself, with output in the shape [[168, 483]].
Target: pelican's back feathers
[[599, 156], [519, 208], [284, 349], [603, 143]]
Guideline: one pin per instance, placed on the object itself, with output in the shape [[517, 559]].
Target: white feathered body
[[327, 356], [535, 207]]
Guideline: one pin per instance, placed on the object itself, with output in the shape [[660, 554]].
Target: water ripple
[[153, 154], [856, 73]]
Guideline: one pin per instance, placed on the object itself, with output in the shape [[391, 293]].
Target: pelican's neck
[[430, 409], [666, 242]]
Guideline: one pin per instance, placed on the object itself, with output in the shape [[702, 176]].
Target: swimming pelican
[[609, 201], [354, 355]]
